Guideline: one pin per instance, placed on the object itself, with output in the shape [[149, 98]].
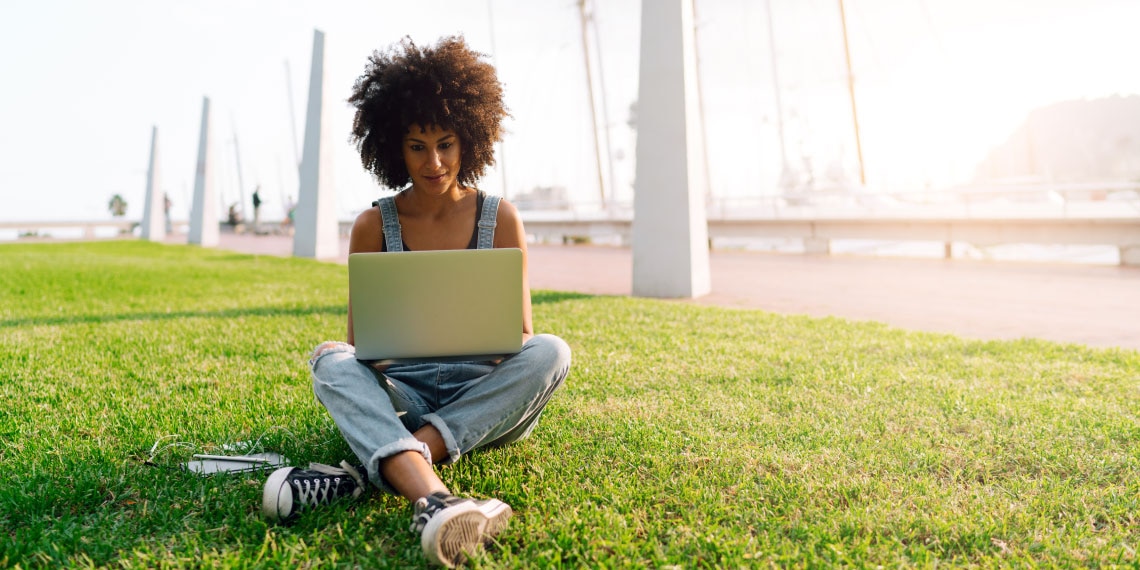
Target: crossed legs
[[409, 473], [451, 408]]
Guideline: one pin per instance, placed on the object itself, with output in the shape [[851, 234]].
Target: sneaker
[[453, 528], [291, 489], [497, 514]]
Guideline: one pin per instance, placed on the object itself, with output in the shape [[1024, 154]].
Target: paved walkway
[[1093, 305]]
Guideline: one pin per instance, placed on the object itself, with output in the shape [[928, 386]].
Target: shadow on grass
[[157, 316], [543, 297], [537, 298]]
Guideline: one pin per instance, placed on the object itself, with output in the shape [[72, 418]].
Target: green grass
[[685, 436]]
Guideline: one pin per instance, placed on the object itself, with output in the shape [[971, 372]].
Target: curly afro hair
[[446, 85]]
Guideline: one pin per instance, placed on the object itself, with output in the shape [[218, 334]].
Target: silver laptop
[[453, 305]]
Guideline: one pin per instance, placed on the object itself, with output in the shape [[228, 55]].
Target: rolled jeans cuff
[[406, 444], [329, 347], [448, 439]]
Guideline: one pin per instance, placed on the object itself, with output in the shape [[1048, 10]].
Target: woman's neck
[[435, 204]]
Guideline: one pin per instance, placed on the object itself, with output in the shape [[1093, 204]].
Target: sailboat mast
[[779, 100], [494, 52], [593, 108], [605, 110], [241, 183], [701, 104], [851, 91], [292, 115]]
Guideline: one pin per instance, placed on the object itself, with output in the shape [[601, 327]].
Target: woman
[[427, 120]]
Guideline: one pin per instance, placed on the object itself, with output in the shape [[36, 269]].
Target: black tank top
[[473, 243]]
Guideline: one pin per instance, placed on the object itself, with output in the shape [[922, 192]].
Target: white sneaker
[[452, 529]]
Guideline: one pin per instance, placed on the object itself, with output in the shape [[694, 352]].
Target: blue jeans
[[472, 404]]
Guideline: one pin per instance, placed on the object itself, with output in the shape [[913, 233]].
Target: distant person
[[427, 119], [256, 208], [166, 204], [233, 217], [290, 212]]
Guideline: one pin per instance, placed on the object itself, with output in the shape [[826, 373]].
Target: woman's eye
[[417, 147], [444, 146]]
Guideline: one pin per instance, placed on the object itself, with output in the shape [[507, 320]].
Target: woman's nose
[[434, 159]]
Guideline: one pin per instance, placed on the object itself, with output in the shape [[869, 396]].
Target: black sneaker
[[453, 528], [291, 489]]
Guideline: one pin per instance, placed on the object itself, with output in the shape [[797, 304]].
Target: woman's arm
[[366, 236], [510, 233]]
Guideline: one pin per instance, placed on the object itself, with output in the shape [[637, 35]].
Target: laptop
[[449, 305]]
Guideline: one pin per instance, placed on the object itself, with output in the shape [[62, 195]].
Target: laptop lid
[[461, 304]]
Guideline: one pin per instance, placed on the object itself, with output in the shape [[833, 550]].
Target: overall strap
[[393, 238], [487, 222]]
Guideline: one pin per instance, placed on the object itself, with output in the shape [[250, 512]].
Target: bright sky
[[939, 82]]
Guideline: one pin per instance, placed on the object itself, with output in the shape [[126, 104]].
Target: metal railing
[[1055, 200]]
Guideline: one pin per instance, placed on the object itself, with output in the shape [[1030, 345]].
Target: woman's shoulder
[[370, 216], [510, 232], [366, 231], [507, 211], [506, 214]]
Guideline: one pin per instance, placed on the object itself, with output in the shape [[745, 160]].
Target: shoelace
[[427, 507], [423, 515], [342, 470], [320, 490]]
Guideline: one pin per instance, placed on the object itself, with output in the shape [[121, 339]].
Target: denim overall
[[472, 404]]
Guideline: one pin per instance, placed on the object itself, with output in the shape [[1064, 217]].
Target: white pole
[[204, 210], [670, 231], [153, 222], [315, 233]]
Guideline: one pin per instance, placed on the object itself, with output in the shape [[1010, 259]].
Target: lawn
[[686, 436]]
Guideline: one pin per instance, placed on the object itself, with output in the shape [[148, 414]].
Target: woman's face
[[431, 155]]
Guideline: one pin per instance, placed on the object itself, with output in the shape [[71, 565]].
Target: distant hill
[[1072, 141]]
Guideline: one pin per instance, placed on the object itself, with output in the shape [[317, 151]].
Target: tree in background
[[118, 206]]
